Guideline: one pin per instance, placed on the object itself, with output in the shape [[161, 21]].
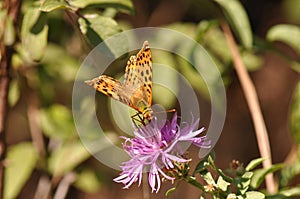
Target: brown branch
[[252, 100], [12, 8], [4, 84]]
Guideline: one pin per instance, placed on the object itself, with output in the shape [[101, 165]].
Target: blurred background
[[40, 96]]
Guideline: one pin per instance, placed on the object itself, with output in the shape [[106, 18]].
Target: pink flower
[[155, 147]]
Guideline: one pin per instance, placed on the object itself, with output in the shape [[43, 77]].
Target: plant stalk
[[255, 110]]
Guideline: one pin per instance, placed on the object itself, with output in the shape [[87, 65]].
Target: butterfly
[[136, 90]]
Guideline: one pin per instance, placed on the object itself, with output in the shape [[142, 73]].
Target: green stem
[[192, 180], [219, 171]]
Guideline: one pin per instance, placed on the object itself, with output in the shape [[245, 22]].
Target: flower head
[[157, 146]]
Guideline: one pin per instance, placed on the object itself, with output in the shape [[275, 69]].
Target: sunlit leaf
[[222, 184], [254, 163], [290, 192], [57, 122], [243, 182], [254, 194], [238, 19], [288, 34], [252, 61], [260, 174], [9, 30], [51, 5], [207, 176], [97, 28], [294, 115], [122, 5], [203, 27], [66, 158], [88, 181], [21, 160], [14, 93], [34, 33], [231, 195]]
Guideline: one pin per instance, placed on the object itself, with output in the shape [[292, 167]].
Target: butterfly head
[[148, 114]]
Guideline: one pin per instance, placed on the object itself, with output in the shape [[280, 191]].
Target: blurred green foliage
[[49, 45]]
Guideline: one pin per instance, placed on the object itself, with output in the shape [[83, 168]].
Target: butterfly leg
[[137, 118]]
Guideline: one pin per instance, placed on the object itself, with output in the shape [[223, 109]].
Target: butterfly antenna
[[168, 111]]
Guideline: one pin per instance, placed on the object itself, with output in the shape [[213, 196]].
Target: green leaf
[[289, 34], [193, 76], [14, 93], [243, 182], [51, 5], [295, 191], [295, 66], [97, 28], [21, 160], [165, 75], [122, 5], [66, 158], [290, 10], [208, 178], [254, 194], [231, 196], [168, 193], [290, 171], [214, 40], [254, 163], [188, 29], [57, 122], [34, 33], [238, 19], [222, 184], [260, 174], [201, 166], [87, 181], [294, 115], [252, 62], [65, 68], [9, 31]]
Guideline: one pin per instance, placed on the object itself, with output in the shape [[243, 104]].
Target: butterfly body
[[136, 90]]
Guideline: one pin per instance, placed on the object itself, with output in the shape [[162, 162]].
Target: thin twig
[[64, 186], [34, 125], [43, 188], [252, 100], [146, 190]]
